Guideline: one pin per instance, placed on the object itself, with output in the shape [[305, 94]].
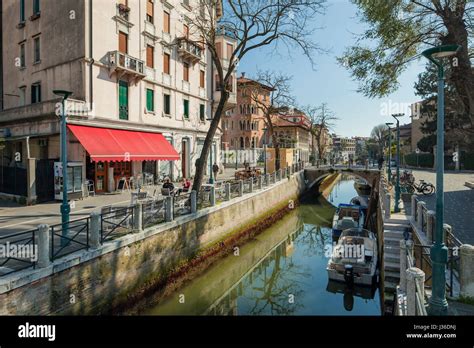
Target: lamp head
[[439, 52], [62, 93], [388, 124]]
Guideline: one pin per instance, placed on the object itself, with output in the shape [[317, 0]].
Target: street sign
[[455, 156]]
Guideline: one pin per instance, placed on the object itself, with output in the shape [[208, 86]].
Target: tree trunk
[[201, 162]]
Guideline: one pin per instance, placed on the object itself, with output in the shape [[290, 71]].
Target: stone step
[[391, 250], [391, 266], [395, 226], [394, 234], [392, 241], [390, 285], [391, 275], [391, 257]]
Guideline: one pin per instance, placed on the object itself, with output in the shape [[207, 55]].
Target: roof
[[244, 81]]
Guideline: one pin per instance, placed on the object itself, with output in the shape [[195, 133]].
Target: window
[[186, 31], [202, 79], [36, 93], [22, 11], [150, 100], [123, 42], [166, 63], [37, 50], [185, 71], [166, 22], [167, 104], [150, 53], [36, 7], [123, 100], [149, 11], [22, 55], [202, 112], [186, 108], [230, 50], [22, 96]]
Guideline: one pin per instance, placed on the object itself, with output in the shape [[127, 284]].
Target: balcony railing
[[123, 12], [122, 62], [189, 50]]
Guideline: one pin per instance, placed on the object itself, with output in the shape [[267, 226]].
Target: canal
[[280, 272]]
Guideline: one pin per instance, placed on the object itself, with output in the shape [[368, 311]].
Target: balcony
[[189, 50], [122, 64], [123, 15]]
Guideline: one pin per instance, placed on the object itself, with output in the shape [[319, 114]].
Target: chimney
[[243, 74]]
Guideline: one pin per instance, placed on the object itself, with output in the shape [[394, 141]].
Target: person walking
[[215, 169]]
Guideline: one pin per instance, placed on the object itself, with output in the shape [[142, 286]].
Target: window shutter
[[202, 79], [166, 22], [150, 56], [149, 8], [123, 42], [166, 63]]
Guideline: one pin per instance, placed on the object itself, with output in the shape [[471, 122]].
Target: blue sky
[[330, 82]]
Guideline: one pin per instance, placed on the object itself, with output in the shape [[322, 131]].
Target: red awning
[[105, 144]]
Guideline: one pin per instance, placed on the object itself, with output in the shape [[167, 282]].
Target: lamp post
[[65, 208], [389, 170], [265, 150], [439, 252], [396, 209]]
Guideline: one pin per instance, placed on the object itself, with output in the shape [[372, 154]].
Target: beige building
[[133, 66]]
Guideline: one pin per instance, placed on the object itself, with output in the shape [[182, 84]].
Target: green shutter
[[186, 108], [166, 106], [123, 100], [36, 6], [22, 11], [202, 112], [150, 102]]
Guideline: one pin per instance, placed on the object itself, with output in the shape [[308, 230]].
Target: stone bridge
[[314, 175]]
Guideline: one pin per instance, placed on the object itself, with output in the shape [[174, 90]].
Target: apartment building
[[244, 126], [293, 131], [142, 90]]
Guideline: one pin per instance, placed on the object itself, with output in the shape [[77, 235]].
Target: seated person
[[186, 186], [168, 187]]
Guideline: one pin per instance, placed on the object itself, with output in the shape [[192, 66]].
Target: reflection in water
[[281, 272]]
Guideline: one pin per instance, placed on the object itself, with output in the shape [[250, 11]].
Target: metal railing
[[116, 222], [204, 198], [234, 189], [22, 242], [220, 194], [69, 238], [153, 212], [419, 293], [182, 204]]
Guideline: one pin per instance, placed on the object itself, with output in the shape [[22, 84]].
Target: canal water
[[281, 272]]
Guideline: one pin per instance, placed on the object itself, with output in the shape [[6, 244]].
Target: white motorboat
[[354, 257]]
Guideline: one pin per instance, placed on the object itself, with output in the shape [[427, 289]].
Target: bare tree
[[253, 24], [277, 85], [322, 120], [379, 134]]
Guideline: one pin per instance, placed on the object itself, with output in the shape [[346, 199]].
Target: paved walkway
[[458, 202]]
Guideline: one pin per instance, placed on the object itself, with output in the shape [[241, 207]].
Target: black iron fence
[[19, 251], [153, 212], [70, 237], [116, 222], [182, 204]]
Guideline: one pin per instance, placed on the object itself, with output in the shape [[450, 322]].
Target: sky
[[331, 83]]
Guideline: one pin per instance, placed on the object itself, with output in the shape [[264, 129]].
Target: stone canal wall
[[96, 280]]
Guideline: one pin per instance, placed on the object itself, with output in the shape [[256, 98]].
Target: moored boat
[[347, 216], [354, 258]]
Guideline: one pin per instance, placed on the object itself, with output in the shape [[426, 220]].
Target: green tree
[[398, 31]]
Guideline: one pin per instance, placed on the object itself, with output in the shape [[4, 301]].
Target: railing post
[[259, 182], [251, 185], [430, 225], [169, 208], [419, 212], [227, 191], [413, 206], [138, 217], [388, 200], [403, 265], [241, 188], [466, 271], [278, 175], [94, 230], [44, 246], [193, 201], [212, 196], [414, 276]]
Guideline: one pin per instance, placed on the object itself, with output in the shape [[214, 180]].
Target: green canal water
[[281, 272]]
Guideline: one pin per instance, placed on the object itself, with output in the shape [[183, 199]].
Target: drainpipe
[[91, 62]]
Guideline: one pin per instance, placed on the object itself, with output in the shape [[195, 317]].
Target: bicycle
[[423, 187]]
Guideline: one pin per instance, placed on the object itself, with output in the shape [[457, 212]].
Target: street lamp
[[439, 252], [397, 187], [265, 150], [389, 170], [65, 208]]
